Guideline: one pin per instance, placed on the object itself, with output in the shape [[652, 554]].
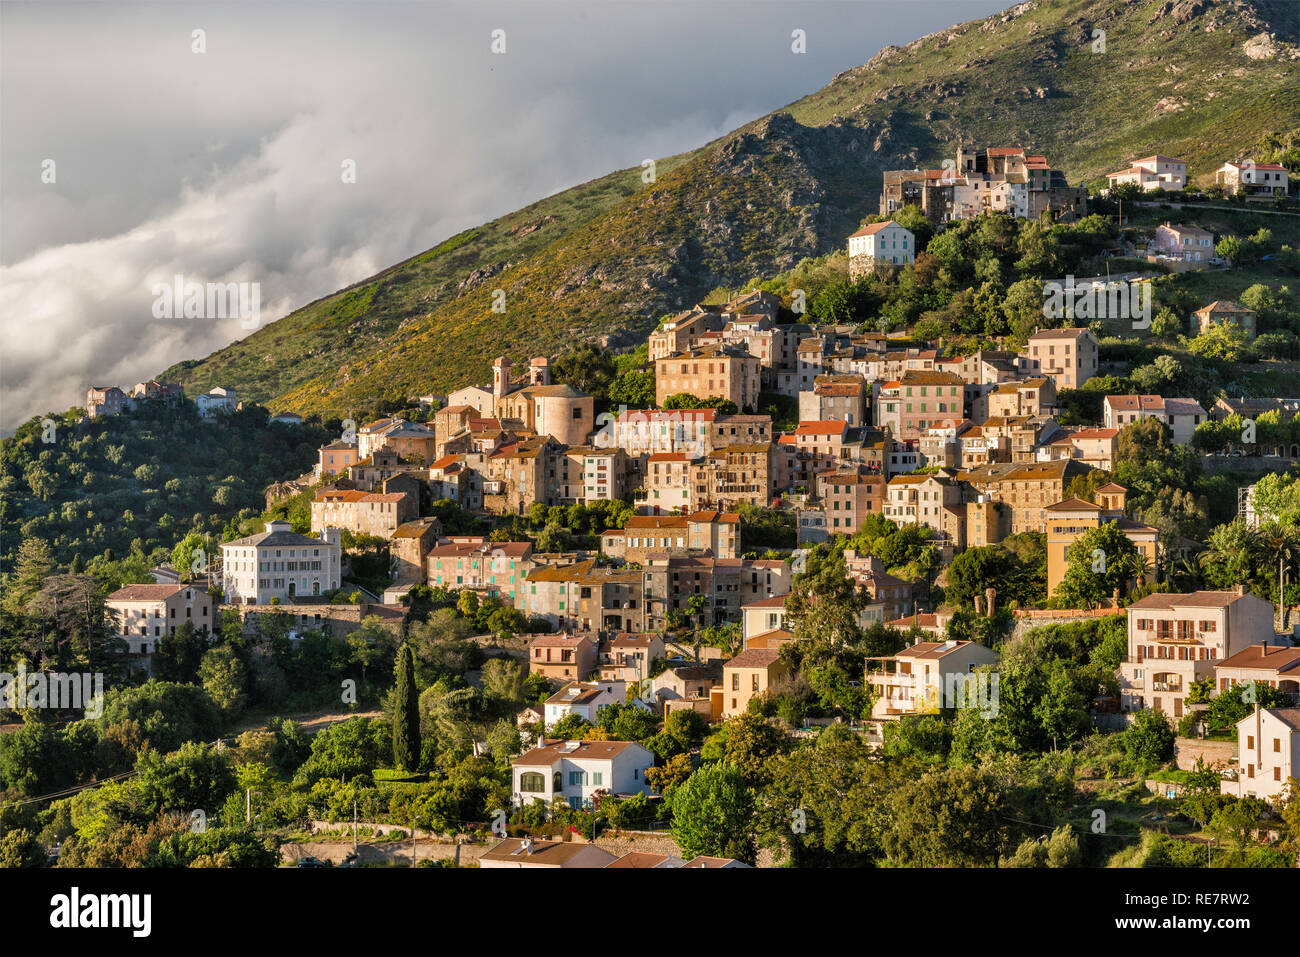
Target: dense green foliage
[[136, 484]]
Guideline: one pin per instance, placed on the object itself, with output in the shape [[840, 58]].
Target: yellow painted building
[[1069, 520]]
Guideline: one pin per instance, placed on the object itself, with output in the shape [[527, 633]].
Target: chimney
[[1241, 588]]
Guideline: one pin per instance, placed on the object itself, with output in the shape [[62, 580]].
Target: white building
[[574, 771], [1268, 752], [478, 397], [1153, 172], [1252, 179], [280, 563], [880, 244], [143, 614], [766, 614], [1175, 640], [585, 699], [923, 677], [1181, 415], [217, 400]]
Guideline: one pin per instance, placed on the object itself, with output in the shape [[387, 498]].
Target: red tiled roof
[[548, 755], [556, 641], [1269, 657], [873, 229], [1197, 599], [754, 658], [820, 428]]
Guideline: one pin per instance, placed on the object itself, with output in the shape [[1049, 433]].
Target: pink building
[[1188, 243]]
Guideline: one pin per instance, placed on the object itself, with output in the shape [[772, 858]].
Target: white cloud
[[225, 166]]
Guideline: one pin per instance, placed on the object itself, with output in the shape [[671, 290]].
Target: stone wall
[[619, 843], [341, 620], [1028, 618], [1187, 750], [1248, 463]]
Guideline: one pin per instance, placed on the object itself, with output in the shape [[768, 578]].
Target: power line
[[69, 791], [78, 788]]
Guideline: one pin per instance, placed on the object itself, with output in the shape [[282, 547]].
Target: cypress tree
[[406, 714]]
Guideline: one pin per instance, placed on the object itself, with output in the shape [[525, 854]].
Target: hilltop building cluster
[[968, 447]]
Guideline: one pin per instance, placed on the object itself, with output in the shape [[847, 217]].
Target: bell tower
[[500, 377]]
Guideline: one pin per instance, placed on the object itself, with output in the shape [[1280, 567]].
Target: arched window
[[532, 781], [558, 782]]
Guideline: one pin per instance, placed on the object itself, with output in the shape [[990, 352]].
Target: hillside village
[[791, 540], [943, 501]]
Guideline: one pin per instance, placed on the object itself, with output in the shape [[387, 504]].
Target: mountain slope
[[603, 261]]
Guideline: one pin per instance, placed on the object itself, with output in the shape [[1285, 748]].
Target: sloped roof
[[145, 592], [547, 756], [1270, 657], [754, 658], [874, 228], [1197, 599]]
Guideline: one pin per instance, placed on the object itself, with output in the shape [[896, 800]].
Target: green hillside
[[603, 261]]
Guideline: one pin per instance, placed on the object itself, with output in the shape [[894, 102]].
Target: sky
[[128, 157]]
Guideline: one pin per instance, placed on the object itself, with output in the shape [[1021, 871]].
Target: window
[[532, 781]]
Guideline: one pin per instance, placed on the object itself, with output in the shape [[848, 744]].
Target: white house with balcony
[[1253, 179], [1151, 173], [1176, 639], [574, 771], [915, 680]]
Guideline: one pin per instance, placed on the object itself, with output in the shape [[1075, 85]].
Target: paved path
[[1230, 209]]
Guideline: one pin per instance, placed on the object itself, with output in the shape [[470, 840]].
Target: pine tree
[[35, 564], [406, 714]]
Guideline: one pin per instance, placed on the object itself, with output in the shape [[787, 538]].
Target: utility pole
[[354, 826], [1281, 592]]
